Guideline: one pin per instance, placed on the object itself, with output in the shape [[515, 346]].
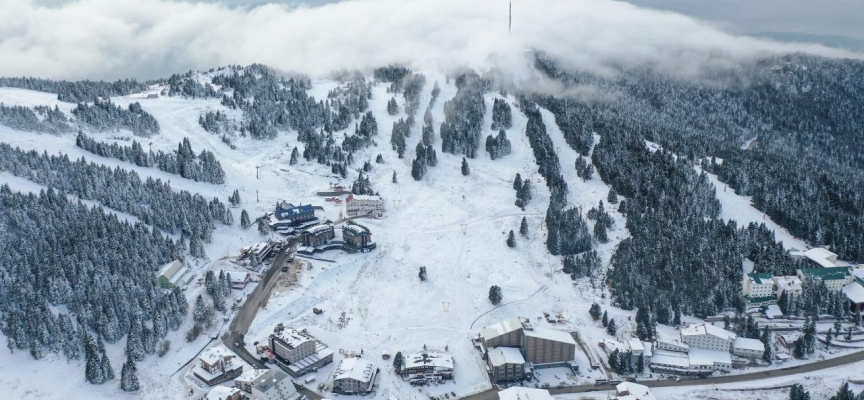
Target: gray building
[[505, 364]]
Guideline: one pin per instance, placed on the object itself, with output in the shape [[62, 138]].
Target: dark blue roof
[[294, 212]]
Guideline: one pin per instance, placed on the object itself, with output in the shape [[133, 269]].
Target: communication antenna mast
[[510, 22]]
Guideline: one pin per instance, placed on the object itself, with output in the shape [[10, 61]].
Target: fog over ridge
[[112, 39]]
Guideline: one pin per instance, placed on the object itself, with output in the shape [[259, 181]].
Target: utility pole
[[510, 22], [256, 196], [256, 171]]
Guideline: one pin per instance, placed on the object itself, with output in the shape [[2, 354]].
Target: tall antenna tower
[[510, 22]]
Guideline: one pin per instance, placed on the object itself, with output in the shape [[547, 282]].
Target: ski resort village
[[352, 237]]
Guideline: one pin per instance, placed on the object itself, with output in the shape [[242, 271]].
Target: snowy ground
[[455, 226]]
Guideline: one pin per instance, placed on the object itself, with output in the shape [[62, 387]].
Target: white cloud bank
[[110, 39]]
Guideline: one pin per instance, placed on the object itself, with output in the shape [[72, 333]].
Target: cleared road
[[755, 376]]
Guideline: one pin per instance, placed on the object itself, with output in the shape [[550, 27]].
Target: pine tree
[[849, 334], [640, 364], [613, 196], [394, 177], [422, 274], [828, 336], [465, 169], [594, 311], [295, 154], [263, 228], [495, 294], [379, 159], [129, 376], [107, 370], [201, 313], [398, 362], [523, 227], [511, 240], [244, 219], [229, 218], [605, 319], [768, 355], [517, 182], [611, 329], [797, 392], [844, 393], [600, 231]]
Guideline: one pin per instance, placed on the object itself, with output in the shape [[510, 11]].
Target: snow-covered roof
[[363, 197], [522, 393], [610, 345], [499, 356], [636, 345], [773, 311], [238, 277], [649, 349], [633, 391], [432, 358], [550, 334], [819, 255], [674, 359], [762, 278], [356, 229], [214, 354], [269, 381], [702, 357], [855, 292], [354, 368], [827, 273], [748, 344], [672, 342], [318, 229], [294, 338], [252, 374], [170, 269], [221, 393], [501, 328], [788, 282], [707, 329]]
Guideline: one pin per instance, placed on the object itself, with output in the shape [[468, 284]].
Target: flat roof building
[[354, 376]]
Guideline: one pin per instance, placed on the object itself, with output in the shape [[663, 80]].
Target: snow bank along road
[[755, 376]]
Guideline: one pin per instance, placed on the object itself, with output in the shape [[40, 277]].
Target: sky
[[112, 39]]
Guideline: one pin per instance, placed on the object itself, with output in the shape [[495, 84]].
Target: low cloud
[[111, 39]]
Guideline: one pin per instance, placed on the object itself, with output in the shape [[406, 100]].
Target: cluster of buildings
[[514, 348], [322, 237], [703, 349], [762, 289], [258, 384]]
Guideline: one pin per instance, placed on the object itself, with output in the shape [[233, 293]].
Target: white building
[[354, 376], [748, 348], [633, 391], [791, 285], [833, 277], [672, 345], [522, 393], [245, 381], [701, 359], [429, 365], [707, 337], [275, 386], [216, 365], [758, 285], [818, 256], [364, 205], [506, 364]]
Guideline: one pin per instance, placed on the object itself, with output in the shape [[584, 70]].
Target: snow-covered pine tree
[[511, 239], [129, 376], [244, 219], [465, 169]]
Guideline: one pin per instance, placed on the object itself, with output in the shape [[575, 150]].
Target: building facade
[[276, 386], [748, 348], [547, 346], [507, 333], [430, 366], [216, 365], [357, 238], [506, 364], [834, 278], [318, 235], [708, 337], [354, 376], [758, 285], [290, 345], [364, 205]]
